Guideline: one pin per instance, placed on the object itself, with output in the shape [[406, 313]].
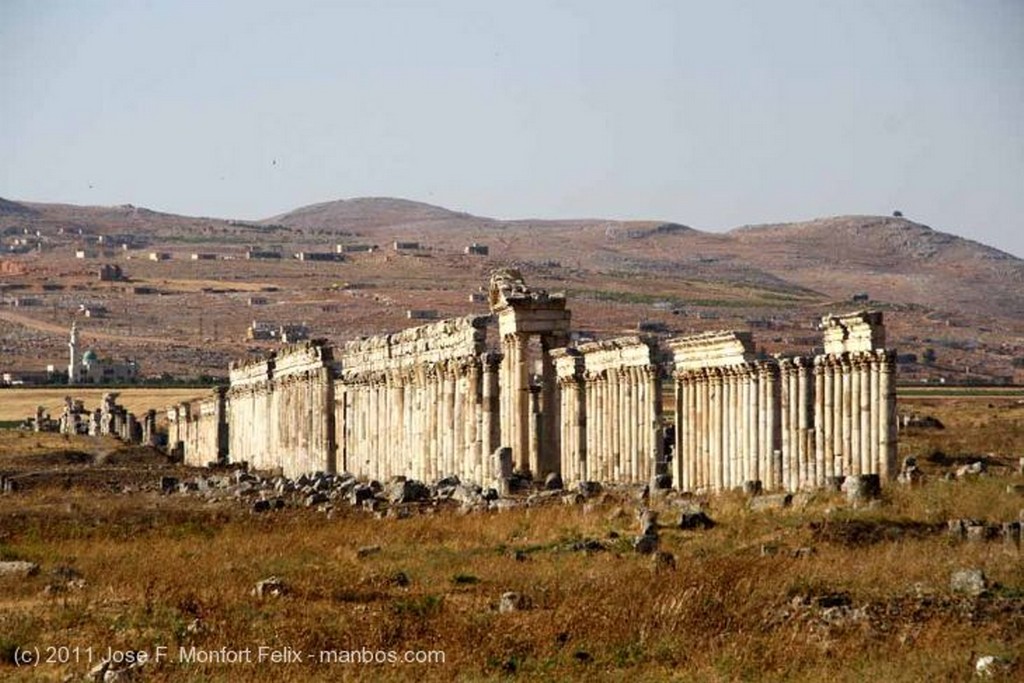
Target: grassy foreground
[[818, 591]]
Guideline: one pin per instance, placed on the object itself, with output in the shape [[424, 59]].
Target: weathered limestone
[[788, 423], [281, 411], [523, 313], [621, 378], [421, 403], [199, 430], [723, 433], [434, 401]]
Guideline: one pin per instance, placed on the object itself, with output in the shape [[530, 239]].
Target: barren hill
[[893, 259], [948, 293], [366, 213]]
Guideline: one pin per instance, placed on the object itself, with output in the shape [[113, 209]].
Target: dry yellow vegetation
[[818, 591], [18, 404]]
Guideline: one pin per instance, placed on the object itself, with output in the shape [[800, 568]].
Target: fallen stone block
[[775, 501], [862, 488], [968, 582], [513, 602], [695, 519], [18, 568], [270, 586], [646, 544]]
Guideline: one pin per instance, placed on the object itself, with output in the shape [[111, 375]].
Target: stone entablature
[[437, 342], [853, 332], [711, 349]]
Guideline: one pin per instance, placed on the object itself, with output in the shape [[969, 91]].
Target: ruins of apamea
[[436, 400]]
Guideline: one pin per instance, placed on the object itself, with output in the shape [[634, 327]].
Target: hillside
[[957, 297], [892, 258]]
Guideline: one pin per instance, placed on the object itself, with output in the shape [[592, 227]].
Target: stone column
[[680, 477], [727, 431], [867, 465], [703, 441], [857, 464], [537, 435], [615, 424], [819, 421], [887, 395], [490, 427], [846, 407], [805, 451], [521, 401], [877, 459], [766, 432], [594, 426], [753, 417], [785, 415], [550, 447], [827, 417], [716, 429], [631, 438]]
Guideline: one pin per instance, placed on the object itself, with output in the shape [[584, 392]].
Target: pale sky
[[712, 114]]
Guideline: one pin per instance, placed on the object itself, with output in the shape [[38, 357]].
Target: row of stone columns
[[424, 423], [250, 420], [622, 424], [302, 432], [856, 399], [789, 423], [799, 469], [726, 426]]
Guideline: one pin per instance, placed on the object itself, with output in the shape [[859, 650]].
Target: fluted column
[[875, 369], [805, 451], [864, 365], [887, 395], [847, 415]]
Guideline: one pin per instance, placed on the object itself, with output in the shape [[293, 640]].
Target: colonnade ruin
[[441, 399]]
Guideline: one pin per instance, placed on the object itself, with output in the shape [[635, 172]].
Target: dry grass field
[[818, 591], [18, 404]]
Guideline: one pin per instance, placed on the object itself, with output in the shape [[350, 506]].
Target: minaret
[[73, 346]]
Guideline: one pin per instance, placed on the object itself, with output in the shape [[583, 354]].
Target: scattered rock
[[513, 602], [408, 491], [646, 544], [271, 586], [589, 489], [168, 485], [775, 501], [648, 522], [367, 551], [862, 488], [18, 568], [553, 482], [990, 666], [974, 469], [910, 473], [695, 519], [969, 582], [922, 422]]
